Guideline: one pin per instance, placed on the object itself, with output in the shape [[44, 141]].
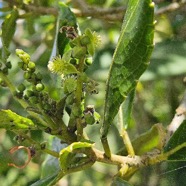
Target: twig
[[124, 134], [179, 117]]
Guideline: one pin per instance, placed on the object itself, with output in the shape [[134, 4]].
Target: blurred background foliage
[[158, 93]]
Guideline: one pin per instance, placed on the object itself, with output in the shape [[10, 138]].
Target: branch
[[110, 14], [171, 7], [84, 10], [116, 14]]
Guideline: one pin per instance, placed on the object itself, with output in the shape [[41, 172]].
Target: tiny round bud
[[27, 75], [23, 55], [21, 87], [31, 65], [39, 87], [88, 61]]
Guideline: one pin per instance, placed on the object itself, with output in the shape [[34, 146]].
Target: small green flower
[[95, 41], [59, 66]]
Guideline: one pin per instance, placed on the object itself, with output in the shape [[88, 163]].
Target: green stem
[[52, 153], [79, 95], [106, 147], [124, 134]]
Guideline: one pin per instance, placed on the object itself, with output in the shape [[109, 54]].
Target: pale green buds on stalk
[[23, 56]]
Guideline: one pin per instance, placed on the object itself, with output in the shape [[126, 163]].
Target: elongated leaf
[[177, 139], [45, 181], [65, 154], [8, 27], [51, 163], [12, 121], [66, 18], [8, 30], [131, 57]]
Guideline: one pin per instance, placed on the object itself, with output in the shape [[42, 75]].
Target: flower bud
[[39, 87], [21, 87], [31, 65]]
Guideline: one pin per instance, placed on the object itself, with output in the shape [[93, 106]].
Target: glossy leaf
[[131, 57], [12, 121], [66, 153], [177, 139]]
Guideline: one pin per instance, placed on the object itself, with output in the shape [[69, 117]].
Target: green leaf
[[146, 142], [66, 153], [51, 163], [12, 121], [177, 139], [8, 27], [120, 182], [127, 108], [45, 181], [131, 57], [8, 30], [66, 18]]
